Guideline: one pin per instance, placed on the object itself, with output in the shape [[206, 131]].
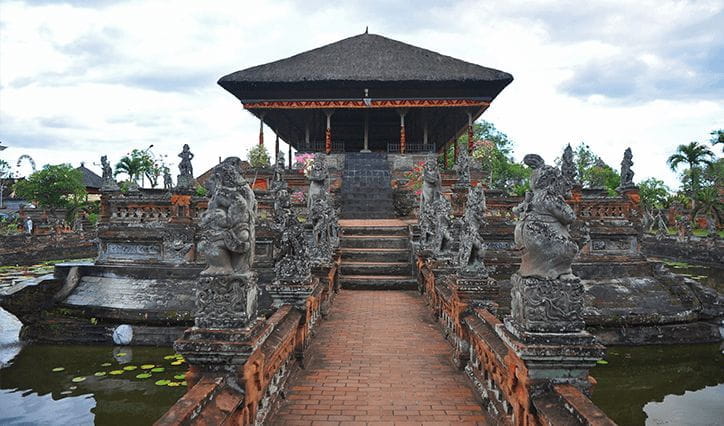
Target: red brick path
[[379, 359]]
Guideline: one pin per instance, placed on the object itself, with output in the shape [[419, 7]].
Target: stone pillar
[[546, 327], [367, 133], [306, 135], [328, 132], [289, 148], [455, 149], [261, 129], [226, 327], [276, 148], [403, 138], [470, 133]]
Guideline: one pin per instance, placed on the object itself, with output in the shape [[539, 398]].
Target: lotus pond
[[68, 384], [655, 385]]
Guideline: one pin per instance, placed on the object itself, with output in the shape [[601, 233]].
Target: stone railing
[[149, 226], [248, 394], [512, 388]]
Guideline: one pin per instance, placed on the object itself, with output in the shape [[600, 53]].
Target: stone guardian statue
[[185, 179], [227, 292], [546, 295]]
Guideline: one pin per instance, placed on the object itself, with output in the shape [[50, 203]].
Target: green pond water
[[662, 385], [32, 393]]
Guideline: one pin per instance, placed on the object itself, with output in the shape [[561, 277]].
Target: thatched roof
[[90, 179], [366, 61]]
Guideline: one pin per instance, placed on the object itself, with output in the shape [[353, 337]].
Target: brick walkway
[[379, 359]]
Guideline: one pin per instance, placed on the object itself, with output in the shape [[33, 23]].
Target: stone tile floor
[[379, 359]]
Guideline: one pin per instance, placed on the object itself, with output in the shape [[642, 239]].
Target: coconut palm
[[693, 154], [131, 165]]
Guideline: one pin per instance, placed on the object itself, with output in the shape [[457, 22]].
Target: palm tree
[[692, 154], [131, 165]]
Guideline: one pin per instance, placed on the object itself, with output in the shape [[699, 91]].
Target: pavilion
[[367, 93]]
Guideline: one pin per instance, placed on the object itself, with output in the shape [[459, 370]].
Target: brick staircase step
[[375, 268], [374, 241], [375, 230], [378, 282], [375, 255]]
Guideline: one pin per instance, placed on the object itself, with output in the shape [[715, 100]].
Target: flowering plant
[[303, 162], [415, 177], [297, 197]]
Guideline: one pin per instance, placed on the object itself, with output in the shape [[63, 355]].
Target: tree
[[585, 159], [717, 137], [55, 186], [133, 165], [601, 175], [694, 155], [654, 193], [707, 201], [258, 156]]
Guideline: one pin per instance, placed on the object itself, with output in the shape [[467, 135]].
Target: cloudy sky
[[82, 78]]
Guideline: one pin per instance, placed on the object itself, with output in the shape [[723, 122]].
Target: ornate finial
[[626, 173], [367, 29], [568, 168]]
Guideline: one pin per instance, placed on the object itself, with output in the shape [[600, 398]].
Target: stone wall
[[695, 250], [32, 249]]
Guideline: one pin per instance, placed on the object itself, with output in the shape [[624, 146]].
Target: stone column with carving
[[546, 326], [226, 326]]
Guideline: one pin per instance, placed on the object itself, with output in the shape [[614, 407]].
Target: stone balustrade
[[511, 390]]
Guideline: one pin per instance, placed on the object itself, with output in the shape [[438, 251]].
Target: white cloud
[[77, 82]]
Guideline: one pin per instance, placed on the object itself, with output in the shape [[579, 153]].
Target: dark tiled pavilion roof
[[365, 59], [90, 179]]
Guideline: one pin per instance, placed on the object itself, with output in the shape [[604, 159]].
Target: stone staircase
[[366, 191], [376, 255]]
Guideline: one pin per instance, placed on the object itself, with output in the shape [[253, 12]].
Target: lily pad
[[57, 369], [116, 372], [130, 367], [99, 373], [602, 362], [177, 363], [163, 382], [72, 387], [147, 366], [121, 354], [143, 376], [78, 379], [158, 370], [174, 384], [179, 376], [184, 383], [170, 356], [106, 364], [66, 392]]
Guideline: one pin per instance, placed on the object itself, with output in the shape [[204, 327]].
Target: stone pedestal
[[227, 330], [185, 182], [546, 330], [541, 305], [554, 357], [226, 301]]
